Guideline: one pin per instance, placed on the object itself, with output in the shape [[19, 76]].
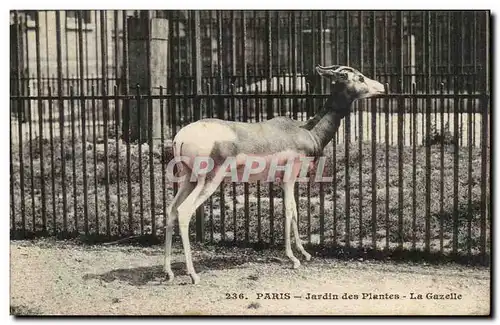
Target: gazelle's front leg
[[298, 242], [288, 189]]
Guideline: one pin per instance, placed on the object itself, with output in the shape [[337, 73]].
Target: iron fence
[[89, 155]]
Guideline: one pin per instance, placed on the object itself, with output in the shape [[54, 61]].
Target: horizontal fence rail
[[91, 144]]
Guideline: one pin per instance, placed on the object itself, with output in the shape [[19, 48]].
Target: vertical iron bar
[[94, 147], [200, 214], [151, 163], [47, 53], [32, 178], [129, 165], [385, 38], [469, 172], [427, 132], [321, 184], [259, 208], [334, 168], [221, 89], [211, 33], [347, 38], [12, 198], [474, 51], [309, 103], [115, 50], [235, 221], [141, 190], [486, 99], [347, 141], [269, 104], [234, 61], [87, 74], [118, 156], [61, 116], [293, 84], [83, 116], [171, 83], [270, 108], [73, 139], [164, 163], [40, 119], [77, 67], [281, 104], [26, 72], [449, 58], [66, 51], [303, 69], [474, 78], [484, 156], [52, 166], [456, 115], [463, 77], [254, 27], [411, 70], [400, 129], [210, 114], [180, 69], [360, 135], [441, 185], [221, 105], [245, 119], [387, 226], [125, 80], [97, 56], [105, 113], [374, 134], [337, 36]]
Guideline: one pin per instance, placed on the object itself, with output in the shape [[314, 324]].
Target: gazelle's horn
[[331, 67], [335, 68]]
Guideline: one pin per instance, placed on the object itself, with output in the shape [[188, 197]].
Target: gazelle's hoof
[[296, 263], [307, 256], [195, 279]]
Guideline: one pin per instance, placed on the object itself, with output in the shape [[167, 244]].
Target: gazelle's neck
[[325, 123]]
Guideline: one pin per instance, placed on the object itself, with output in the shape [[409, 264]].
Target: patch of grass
[[438, 137]]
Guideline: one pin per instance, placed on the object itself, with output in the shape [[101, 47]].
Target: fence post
[[148, 69], [18, 62]]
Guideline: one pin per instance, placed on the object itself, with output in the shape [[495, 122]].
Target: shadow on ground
[[154, 274]]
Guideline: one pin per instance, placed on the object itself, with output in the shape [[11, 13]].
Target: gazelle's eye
[[361, 79]]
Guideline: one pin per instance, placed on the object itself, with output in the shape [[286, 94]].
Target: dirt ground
[[54, 278]]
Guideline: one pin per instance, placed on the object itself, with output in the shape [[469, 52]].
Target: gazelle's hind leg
[[186, 210], [204, 188], [288, 189], [185, 189]]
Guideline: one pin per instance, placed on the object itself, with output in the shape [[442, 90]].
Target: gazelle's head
[[352, 83]]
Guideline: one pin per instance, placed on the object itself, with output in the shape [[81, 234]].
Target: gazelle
[[281, 137]]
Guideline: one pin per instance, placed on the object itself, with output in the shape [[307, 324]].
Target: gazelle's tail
[[177, 148]]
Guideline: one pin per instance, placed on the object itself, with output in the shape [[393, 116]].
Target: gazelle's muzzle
[[376, 88]]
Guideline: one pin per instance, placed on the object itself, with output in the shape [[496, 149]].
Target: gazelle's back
[[219, 139]]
